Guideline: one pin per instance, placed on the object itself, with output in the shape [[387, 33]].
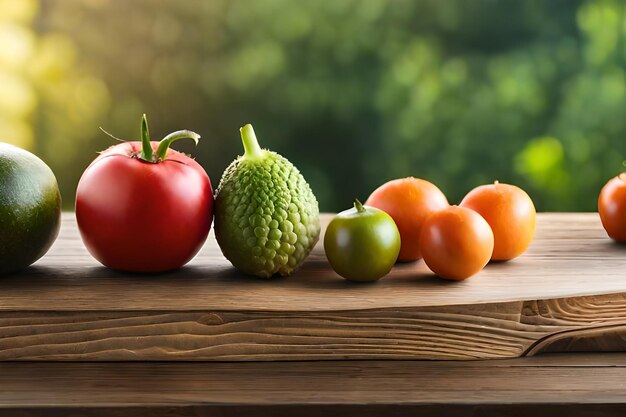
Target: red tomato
[[144, 215], [511, 214], [456, 243], [612, 208]]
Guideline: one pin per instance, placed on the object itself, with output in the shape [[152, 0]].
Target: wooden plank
[[68, 308], [498, 330], [580, 385]]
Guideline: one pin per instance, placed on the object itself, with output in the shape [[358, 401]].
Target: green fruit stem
[[147, 154], [358, 206], [250, 143], [146, 147], [165, 143]]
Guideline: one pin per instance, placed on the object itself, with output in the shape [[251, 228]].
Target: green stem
[[164, 145], [250, 142], [358, 206], [146, 146]]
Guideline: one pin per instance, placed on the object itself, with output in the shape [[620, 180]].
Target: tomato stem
[[165, 143], [146, 146], [250, 143], [358, 206]]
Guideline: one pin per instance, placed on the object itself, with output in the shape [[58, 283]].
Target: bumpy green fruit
[[266, 216]]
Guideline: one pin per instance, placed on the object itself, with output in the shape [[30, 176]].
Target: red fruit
[[142, 208], [612, 208]]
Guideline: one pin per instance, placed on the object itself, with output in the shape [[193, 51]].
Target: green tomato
[[362, 243]]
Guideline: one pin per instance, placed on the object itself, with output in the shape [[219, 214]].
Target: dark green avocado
[[30, 208]]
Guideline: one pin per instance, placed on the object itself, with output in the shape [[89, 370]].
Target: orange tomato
[[408, 201], [456, 243], [510, 213], [612, 208]]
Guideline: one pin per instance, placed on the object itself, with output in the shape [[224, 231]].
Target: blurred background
[[353, 92]]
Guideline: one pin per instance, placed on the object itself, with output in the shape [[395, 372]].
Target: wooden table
[[566, 294]]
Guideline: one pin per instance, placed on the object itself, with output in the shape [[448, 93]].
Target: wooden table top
[[585, 385], [570, 256]]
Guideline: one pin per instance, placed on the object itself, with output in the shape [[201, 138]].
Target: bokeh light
[[354, 92]]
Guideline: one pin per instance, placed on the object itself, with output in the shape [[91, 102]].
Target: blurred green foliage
[[353, 92]]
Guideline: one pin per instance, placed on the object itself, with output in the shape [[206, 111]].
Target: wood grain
[[566, 294], [573, 385], [571, 256]]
